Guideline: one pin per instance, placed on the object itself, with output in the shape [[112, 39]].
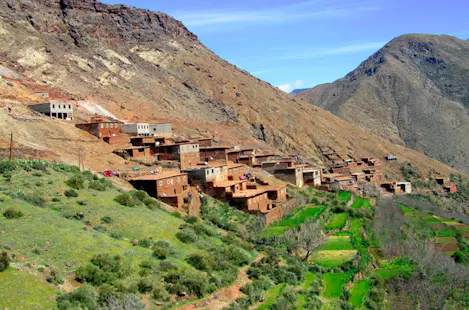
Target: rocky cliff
[[414, 92], [141, 65]]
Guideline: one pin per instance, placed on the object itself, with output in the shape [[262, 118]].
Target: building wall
[[172, 186], [119, 139], [213, 154], [236, 173], [206, 142], [292, 176], [278, 195], [188, 160], [259, 203], [161, 130], [138, 129], [143, 152]]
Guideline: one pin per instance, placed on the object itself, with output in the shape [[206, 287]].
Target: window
[[213, 171], [183, 178], [112, 125], [102, 125], [58, 106], [107, 125], [160, 183], [179, 180], [53, 106], [168, 181], [69, 106]]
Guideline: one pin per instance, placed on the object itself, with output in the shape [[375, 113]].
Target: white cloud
[[293, 12], [286, 88], [298, 83], [304, 53]]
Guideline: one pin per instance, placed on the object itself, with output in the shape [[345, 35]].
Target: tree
[[308, 237], [4, 261]]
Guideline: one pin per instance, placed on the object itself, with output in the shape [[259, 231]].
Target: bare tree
[[307, 238]]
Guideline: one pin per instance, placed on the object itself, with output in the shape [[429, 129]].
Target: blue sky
[[303, 43]]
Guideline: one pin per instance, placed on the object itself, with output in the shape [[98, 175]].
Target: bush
[[37, 174], [140, 195], [186, 235], [32, 199], [82, 202], [167, 266], [76, 182], [54, 278], [70, 193], [12, 213], [160, 253], [159, 293], [202, 262], [7, 167], [4, 261], [151, 203], [145, 285], [188, 281], [125, 200], [106, 219], [84, 297], [116, 235], [203, 229], [97, 185], [191, 219], [55, 199]]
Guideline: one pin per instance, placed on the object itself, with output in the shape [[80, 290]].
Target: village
[[180, 171]]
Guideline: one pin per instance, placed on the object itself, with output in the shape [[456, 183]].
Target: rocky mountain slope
[[141, 65], [414, 92]]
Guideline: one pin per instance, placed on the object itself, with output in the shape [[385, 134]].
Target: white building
[[136, 129]]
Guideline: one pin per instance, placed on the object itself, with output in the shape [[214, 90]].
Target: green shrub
[[106, 219], [104, 268], [77, 181], [70, 193], [151, 203], [7, 167], [54, 278], [160, 253], [116, 235], [188, 281], [82, 202], [140, 195], [145, 243], [191, 219], [84, 297], [203, 229], [202, 262], [37, 174], [159, 293], [4, 261], [12, 213], [100, 228], [167, 266], [55, 199], [97, 185], [186, 235], [125, 200], [145, 285]]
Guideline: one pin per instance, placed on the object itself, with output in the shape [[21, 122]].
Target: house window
[[53, 106], [112, 125], [107, 125], [168, 181], [69, 106], [102, 125], [183, 178], [160, 183], [58, 106], [179, 180]]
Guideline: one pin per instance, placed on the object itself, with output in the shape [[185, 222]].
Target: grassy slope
[[334, 283], [338, 221]]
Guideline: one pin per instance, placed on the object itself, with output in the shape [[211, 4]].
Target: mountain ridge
[[413, 92]]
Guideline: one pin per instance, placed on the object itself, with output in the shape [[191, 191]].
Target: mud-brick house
[[251, 200], [136, 151], [443, 181], [62, 109], [203, 174], [171, 187], [271, 166], [204, 142], [276, 193], [234, 155], [312, 176], [292, 175], [397, 188], [236, 171], [213, 153], [163, 130], [224, 190], [105, 130], [187, 154]]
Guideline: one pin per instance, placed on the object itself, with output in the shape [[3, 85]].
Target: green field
[[338, 221], [344, 196], [271, 296], [20, 290], [358, 292], [334, 283], [294, 219], [389, 270], [361, 203], [337, 243]]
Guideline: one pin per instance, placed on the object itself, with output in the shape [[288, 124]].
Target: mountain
[[142, 65], [298, 91], [414, 92]]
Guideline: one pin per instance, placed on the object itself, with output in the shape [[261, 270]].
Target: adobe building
[[143, 141], [171, 187], [55, 108], [251, 200], [203, 174], [397, 188], [292, 175], [187, 154], [312, 177], [163, 130], [271, 166], [213, 153], [276, 193], [107, 131], [235, 154], [204, 142], [136, 151]]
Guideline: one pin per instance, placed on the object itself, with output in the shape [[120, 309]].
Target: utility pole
[[11, 144], [79, 158]]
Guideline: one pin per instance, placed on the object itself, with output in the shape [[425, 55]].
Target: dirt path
[[223, 297]]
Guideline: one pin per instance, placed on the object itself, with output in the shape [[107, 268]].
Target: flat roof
[[136, 147], [201, 166], [264, 155], [158, 176], [176, 144], [228, 183], [215, 147], [344, 178], [249, 193], [235, 165], [240, 150]]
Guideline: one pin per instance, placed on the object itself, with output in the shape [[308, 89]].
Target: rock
[[238, 94], [10, 84], [7, 247]]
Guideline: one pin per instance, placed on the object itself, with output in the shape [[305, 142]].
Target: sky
[[304, 43]]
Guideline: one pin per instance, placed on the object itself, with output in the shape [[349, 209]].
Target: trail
[[223, 297]]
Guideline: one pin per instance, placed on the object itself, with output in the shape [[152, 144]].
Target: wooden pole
[[11, 145], [79, 159]]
